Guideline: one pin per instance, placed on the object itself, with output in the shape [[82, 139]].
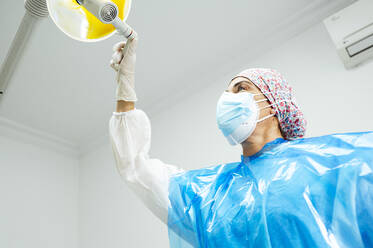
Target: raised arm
[[123, 106], [130, 135]]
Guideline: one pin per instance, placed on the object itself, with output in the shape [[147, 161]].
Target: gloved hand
[[123, 61]]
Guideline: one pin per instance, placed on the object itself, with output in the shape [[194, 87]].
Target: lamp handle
[[123, 28]]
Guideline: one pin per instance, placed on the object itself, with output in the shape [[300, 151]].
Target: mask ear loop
[[268, 116], [264, 100]]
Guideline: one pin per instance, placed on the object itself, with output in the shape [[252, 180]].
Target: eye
[[240, 88]]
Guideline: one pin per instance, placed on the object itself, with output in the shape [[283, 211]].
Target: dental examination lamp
[[83, 20]]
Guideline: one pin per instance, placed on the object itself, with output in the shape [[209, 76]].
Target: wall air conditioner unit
[[351, 29]]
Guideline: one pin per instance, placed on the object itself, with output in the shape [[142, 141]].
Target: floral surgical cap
[[277, 90]]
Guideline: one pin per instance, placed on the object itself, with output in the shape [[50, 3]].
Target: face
[[242, 84]]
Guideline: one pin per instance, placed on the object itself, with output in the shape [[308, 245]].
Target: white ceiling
[[65, 88]]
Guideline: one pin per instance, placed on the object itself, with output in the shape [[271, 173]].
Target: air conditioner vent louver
[[351, 30], [360, 46]]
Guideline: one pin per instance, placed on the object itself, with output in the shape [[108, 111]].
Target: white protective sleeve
[[130, 135]]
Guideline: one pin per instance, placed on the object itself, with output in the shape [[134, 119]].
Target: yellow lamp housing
[[91, 20]]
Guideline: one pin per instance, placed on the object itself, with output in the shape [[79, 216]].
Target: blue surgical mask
[[237, 115]]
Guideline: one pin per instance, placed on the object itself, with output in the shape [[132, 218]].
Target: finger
[[116, 67], [113, 65], [117, 57], [119, 46], [132, 44]]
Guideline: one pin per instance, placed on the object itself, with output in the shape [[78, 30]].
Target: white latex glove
[[123, 61]]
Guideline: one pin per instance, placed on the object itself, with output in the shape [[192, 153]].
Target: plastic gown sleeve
[[130, 135]]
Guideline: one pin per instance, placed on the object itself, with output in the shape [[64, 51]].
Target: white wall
[[110, 215], [332, 99], [185, 134], [38, 197]]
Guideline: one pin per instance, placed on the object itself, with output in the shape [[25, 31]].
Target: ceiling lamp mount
[[83, 20], [35, 11]]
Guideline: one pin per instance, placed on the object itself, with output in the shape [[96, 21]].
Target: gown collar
[[268, 146]]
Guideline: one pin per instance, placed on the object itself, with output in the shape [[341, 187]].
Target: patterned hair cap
[[279, 93]]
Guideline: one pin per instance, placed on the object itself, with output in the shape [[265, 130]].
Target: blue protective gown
[[312, 192]]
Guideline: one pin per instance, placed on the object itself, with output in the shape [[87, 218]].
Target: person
[[287, 190]]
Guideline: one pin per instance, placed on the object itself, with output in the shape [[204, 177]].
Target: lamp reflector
[[78, 23]]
